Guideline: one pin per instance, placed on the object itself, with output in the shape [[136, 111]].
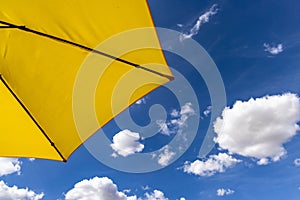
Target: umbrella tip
[[171, 78]]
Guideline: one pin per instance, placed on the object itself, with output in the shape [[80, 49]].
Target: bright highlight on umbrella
[[41, 51]]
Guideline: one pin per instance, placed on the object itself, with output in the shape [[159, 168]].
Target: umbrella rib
[[6, 27], [24, 28], [31, 117]]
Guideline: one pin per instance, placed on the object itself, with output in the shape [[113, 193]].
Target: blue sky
[[256, 47]]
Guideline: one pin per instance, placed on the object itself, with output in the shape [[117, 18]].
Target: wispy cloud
[[222, 192], [147, 187], [165, 156], [207, 111], [204, 18], [178, 120], [126, 143], [173, 126], [274, 50], [210, 166]]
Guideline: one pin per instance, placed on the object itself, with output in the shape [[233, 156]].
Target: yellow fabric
[[20, 137], [42, 71]]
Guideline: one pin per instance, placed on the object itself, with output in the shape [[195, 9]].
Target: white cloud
[[104, 189], [222, 192], [274, 50], [163, 127], [175, 113], [146, 187], [141, 101], [259, 127], [14, 193], [9, 166], [204, 18], [182, 198], [207, 111], [126, 143], [178, 120], [186, 111], [297, 162], [97, 188], [209, 167], [156, 195], [263, 161], [165, 156]]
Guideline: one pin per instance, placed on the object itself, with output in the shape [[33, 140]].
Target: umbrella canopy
[[43, 45]]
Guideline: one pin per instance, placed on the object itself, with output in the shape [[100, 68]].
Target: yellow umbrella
[[42, 47]]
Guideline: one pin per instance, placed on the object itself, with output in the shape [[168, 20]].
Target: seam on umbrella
[[24, 28]]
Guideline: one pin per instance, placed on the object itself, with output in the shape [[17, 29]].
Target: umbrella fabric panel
[[85, 22], [42, 71], [20, 137]]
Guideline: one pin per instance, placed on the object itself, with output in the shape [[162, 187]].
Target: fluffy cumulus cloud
[[204, 18], [15, 193], [155, 195], [222, 192], [210, 166], [297, 162], [97, 188], [274, 50], [178, 120], [126, 143], [259, 127], [104, 189], [9, 166]]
